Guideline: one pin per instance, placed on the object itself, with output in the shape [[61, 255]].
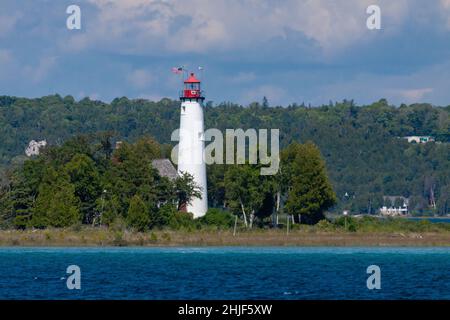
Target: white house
[[34, 147], [419, 139], [389, 208]]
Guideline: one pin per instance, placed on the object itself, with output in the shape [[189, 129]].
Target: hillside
[[365, 157]]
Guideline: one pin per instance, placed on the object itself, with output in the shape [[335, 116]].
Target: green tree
[[85, 177], [186, 189], [56, 204], [218, 218], [23, 191], [310, 193], [132, 174], [138, 217], [108, 209], [245, 191]]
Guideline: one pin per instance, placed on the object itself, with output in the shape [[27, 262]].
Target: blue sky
[[290, 51]]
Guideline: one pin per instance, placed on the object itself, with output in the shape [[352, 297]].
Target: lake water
[[225, 273], [430, 219]]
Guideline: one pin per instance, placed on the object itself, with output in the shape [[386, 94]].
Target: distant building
[[165, 168], [34, 147], [393, 212], [419, 139], [393, 208]]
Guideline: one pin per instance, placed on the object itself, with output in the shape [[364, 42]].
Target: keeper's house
[[419, 139]]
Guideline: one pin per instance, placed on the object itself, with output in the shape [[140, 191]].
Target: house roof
[[165, 168]]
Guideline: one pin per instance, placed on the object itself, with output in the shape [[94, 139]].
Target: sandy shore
[[105, 237]]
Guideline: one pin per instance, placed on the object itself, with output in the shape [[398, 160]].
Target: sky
[[302, 51]]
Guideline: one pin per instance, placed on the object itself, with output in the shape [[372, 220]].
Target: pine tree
[[108, 209], [85, 177], [138, 217], [310, 193], [56, 204]]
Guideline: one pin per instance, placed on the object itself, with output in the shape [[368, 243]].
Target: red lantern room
[[191, 90]]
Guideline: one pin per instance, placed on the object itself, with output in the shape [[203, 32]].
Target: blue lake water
[[225, 273], [430, 219]]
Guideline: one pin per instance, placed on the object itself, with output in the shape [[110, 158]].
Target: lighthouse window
[[193, 86]]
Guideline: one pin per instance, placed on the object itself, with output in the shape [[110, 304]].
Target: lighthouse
[[191, 145]]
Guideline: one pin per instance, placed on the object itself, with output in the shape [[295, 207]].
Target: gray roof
[[392, 199], [165, 168]]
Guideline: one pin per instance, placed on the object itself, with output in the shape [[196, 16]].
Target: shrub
[[21, 222], [350, 222], [218, 218], [77, 227], [118, 239], [324, 225], [138, 217], [108, 209], [118, 224], [181, 220], [163, 215], [166, 236], [153, 237]]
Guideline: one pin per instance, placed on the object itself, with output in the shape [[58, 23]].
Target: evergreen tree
[[132, 173], [108, 209], [138, 217], [310, 193], [56, 204], [85, 177]]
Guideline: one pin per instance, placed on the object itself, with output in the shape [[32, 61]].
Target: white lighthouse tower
[[191, 146]]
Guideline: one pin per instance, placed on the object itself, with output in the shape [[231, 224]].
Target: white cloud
[[412, 95], [41, 70], [445, 5], [13, 69], [5, 57], [242, 77], [156, 26], [139, 78], [428, 84], [7, 24]]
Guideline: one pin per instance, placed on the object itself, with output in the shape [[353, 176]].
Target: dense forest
[[365, 156]]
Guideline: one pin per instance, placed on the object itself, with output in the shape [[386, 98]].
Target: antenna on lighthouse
[[200, 70]]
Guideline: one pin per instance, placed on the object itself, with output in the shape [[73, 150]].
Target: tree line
[[87, 181], [362, 146]]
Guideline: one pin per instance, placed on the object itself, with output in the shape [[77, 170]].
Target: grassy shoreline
[[99, 237]]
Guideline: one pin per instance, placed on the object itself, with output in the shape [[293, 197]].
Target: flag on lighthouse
[[177, 70]]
